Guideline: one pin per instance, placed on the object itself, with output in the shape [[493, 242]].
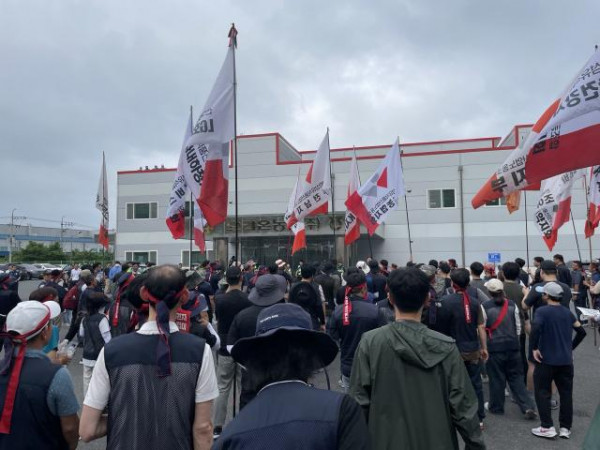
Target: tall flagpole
[[526, 231], [410, 251], [587, 208], [358, 221], [233, 42], [191, 199], [332, 200], [575, 233]]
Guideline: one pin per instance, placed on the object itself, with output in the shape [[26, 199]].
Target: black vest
[[92, 339], [287, 415], [33, 426], [456, 326], [505, 337], [125, 310], [148, 412]]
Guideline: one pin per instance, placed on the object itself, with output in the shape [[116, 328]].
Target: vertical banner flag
[[102, 205], [554, 206], [298, 228], [373, 201], [176, 211], [205, 155], [351, 223], [593, 217], [566, 137], [313, 197]]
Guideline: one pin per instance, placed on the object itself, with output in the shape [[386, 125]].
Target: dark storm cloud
[[81, 77]]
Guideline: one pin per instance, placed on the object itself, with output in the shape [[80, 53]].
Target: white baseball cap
[[363, 266], [494, 285], [28, 318], [54, 308]]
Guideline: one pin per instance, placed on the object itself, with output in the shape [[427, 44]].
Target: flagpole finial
[[232, 35]]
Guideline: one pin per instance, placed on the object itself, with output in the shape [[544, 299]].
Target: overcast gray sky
[[80, 77]]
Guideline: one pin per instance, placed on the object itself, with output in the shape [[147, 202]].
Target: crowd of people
[[167, 350]]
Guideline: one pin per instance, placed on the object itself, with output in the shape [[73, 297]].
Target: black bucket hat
[[285, 321]]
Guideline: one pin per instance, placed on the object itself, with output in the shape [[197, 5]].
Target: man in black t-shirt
[[227, 306], [534, 300], [376, 282], [563, 272], [267, 291]]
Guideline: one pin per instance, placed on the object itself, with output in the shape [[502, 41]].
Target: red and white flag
[[593, 217], [298, 227], [199, 223], [379, 194], [554, 206], [566, 137], [176, 211], [205, 155], [102, 205], [351, 223], [313, 197]]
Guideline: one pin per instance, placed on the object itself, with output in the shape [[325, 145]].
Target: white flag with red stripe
[[205, 155], [554, 206], [351, 223], [102, 205], [378, 196], [565, 138], [298, 227], [176, 210], [313, 197], [593, 217]]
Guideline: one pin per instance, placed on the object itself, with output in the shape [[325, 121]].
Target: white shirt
[[75, 274], [99, 390]]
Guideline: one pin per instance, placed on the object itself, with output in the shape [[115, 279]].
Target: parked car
[[33, 271], [25, 274], [45, 266]]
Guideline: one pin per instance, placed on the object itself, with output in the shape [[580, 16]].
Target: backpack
[[71, 299]]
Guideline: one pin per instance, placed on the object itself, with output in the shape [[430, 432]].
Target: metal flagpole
[[332, 200], [410, 251], [587, 208], [575, 233], [191, 198], [526, 231], [233, 42]]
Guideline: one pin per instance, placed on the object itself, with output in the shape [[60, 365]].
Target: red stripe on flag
[[176, 224], [323, 209], [545, 117], [199, 239], [353, 234], [354, 203], [486, 194], [562, 216], [299, 241], [576, 150], [213, 197]]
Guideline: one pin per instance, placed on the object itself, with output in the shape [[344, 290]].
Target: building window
[[197, 257], [142, 210], [141, 257], [497, 202], [441, 198]]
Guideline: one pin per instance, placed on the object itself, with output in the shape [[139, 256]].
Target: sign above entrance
[[276, 225]]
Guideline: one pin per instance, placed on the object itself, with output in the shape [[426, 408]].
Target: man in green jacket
[[411, 381]]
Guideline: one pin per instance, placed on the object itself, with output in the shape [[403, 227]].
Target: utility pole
[[11, 236], [63, 228]]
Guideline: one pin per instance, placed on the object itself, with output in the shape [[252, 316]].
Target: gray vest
[[504, 338], [148, 412]]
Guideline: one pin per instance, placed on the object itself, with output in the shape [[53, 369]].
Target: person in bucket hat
[[39, 406], [287, 412]]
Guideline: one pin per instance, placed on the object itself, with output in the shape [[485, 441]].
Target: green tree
[[36, 252]]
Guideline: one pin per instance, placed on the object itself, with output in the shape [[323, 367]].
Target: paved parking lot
[[508, 432]]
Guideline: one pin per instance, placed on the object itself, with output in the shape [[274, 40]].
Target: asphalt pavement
[[507, 432]]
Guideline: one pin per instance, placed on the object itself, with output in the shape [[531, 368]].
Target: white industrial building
[[441, 178]]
